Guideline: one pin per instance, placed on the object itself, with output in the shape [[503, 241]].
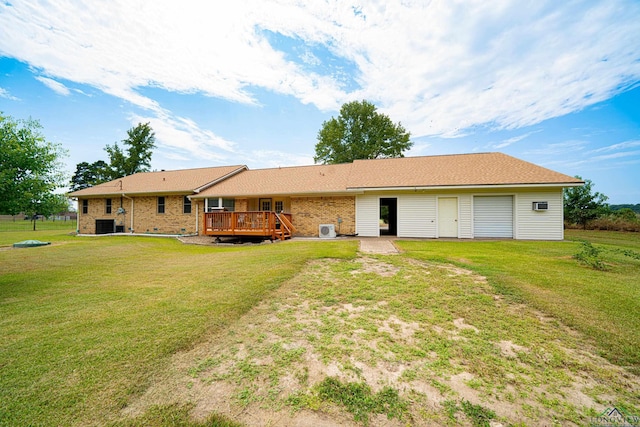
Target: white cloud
[[560, 148], [615, 155], [181, 137], [55, 86], [274, 159], [439, 67], [513, 140], [618, 146], [572, 155], [442, 67], [5, 94]]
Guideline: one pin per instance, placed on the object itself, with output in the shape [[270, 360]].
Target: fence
[[19, 223]]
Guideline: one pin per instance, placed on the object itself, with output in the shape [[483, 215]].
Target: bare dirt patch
[[436, 334]]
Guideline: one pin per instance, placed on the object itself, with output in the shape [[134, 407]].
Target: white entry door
[[448, 217]]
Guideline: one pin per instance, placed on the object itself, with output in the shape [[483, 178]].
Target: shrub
[[620, 220], [590, 255], [615, 222]]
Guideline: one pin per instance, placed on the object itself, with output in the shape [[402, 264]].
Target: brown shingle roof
[[429, 171], [163, 182], [452, 170], [457, 170], [288, 180]]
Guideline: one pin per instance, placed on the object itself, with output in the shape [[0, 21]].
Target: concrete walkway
[[378, 245]]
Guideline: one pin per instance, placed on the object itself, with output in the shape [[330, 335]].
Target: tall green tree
[[90, 174], [30, 166], [135, 155], [132, 157], [582, 204], [360, 132]]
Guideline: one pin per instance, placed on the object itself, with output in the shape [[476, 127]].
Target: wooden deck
[[268, 225]]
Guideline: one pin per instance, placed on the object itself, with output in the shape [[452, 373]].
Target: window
[[186, 205], [85, 206], [279, 206], [107, 206], [265, 204], [160, 205], [216, 203], [229, 204]]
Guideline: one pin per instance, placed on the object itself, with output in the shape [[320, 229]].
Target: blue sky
[[250, 82]]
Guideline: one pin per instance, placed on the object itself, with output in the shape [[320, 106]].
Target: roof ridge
[[190, 169], [433, 155], [315, 165]]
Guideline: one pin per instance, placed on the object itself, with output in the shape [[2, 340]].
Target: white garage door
[[493, 216]]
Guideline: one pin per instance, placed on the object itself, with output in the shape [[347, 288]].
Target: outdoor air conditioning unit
[[540, 206], [327, 231]]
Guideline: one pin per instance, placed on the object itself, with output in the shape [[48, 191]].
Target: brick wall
[[241, 205], [172, 221], [146, 218], [96, 210], [309, 212]]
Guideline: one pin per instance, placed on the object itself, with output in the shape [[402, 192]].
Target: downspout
[[127, 197], [79, 210], [197, 216], [197, 220]]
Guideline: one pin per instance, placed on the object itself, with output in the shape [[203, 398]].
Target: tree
[[122, 161], [137, 158], [582, 206], [30, 166], [360, 132], [50, 204], [54, 204], [90, 174]]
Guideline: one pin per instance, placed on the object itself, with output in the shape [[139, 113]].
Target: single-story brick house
[[484, 195]]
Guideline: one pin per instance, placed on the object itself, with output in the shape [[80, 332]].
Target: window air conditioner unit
[[327, 231], [540, 206]]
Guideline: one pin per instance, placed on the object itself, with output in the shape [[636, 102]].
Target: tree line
[[635, 208]]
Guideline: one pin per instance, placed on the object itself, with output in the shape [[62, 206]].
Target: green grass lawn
[[604, 305], [87, 324]]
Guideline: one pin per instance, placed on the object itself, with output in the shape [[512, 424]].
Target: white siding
[[493, 216], [465, 218], [368, 215], [416, 216], [539, 225]]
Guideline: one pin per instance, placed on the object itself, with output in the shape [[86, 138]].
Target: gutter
[[127, 197], [465, 187], [323, 193]]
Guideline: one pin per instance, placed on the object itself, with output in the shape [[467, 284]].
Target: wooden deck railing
[[265, 224]]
